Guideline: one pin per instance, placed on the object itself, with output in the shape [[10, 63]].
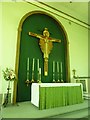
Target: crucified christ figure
[[46, 45]]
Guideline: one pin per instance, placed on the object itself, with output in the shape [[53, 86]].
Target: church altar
[[50, 95]]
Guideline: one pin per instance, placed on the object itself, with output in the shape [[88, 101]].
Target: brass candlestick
[[39, 76], [54, 71], [58, 77], [27, 82], [61, 77], [32, 76], [54, 77], [74, 73], [33, 62]]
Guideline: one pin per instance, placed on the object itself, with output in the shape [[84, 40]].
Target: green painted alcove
[[29, 47]]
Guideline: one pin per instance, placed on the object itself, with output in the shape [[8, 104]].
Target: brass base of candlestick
[[32, 80], [29, 82], [62, 81], [54, 81], [58, 81], [39, 81]]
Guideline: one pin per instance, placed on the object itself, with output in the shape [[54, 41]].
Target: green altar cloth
[[51, 97]]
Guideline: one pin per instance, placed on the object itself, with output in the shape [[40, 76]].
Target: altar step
[[72, 112], [86, 96], [73, 115], [77, 111], [77, 114], [31, 111]]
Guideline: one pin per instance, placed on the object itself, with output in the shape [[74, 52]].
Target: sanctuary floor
[[28, 110]]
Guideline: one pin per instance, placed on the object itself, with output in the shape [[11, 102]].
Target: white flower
[[9, 74]]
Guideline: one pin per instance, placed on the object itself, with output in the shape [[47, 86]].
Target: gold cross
[[46, 45]]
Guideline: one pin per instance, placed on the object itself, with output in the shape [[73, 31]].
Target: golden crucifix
[[46, 46]]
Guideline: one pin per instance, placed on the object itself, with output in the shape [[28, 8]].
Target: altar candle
[[40, 71], [38, 64], [28, 64], [33, 65], [61, 67], [53, 66], [57, 66]]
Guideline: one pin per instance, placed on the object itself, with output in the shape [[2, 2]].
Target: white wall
[[12, 13], [0, 46]]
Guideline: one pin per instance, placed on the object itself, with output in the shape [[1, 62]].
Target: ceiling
[[78, 10], [74, 8]]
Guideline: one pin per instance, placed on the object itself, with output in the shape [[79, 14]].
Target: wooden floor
[[27, 110]]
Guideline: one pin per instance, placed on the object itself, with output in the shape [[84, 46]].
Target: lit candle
[[53, 66], [61, 67], [28, 64], [57, 66], [33, 65]]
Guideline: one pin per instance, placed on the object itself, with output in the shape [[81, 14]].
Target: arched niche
[[28, 46]]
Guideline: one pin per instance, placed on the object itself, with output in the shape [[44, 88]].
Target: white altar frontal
[[69, 90]]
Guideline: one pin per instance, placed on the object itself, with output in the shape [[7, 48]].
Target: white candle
[[33, 65], [57, 66], [61, 67], [28, 64], [39, 74], [53, 66], [38, 64], [40, 71]]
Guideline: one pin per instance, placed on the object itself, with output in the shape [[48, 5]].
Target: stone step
[[83, 113]]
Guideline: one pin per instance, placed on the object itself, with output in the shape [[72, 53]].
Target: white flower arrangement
[[9, 74]]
